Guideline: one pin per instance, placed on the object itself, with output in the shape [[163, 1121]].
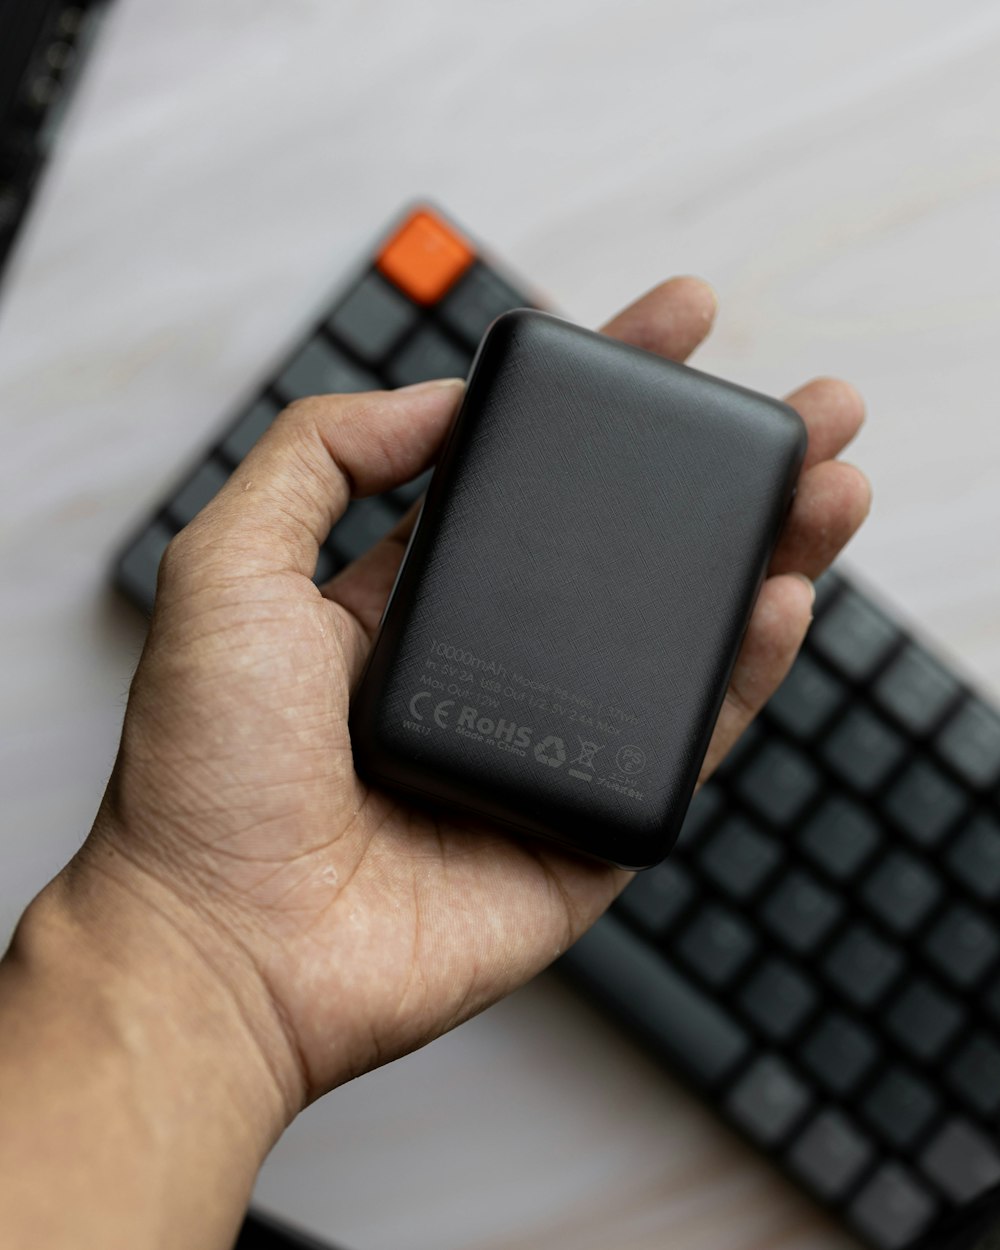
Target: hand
[[349, 928]]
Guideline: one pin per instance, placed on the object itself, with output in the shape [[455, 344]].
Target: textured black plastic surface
[[559, 640]]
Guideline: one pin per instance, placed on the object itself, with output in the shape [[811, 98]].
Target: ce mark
[[440, 712]]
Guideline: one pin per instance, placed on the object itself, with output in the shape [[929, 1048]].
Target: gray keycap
[[854, 635], [428, 354], [372, 317], [779, 782], [320, 369], [863, 965], [475, 300], [806, 699], [839, 1052], [768, 1100], [893, 1207], [701, 815], [923, 1019], [970, 742], [139, 565], [716, 944], [828, 586], [924, 802], [974, 857], [739, 857], [361, 526], [800, 911], [830, 1153], [961, 1160], [901, 891], [916, 689], [963, 944], [863, 749], [900, 1105], [840, 836], [974, 1073], [656, 898], [647, 993], [777, 999], [204, 484], [248, 429]]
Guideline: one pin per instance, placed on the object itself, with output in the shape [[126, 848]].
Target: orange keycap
[[425, 257]]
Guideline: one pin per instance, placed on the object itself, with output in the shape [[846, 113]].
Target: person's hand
[[347, 927]]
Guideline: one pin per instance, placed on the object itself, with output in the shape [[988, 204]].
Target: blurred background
[[833, 170]]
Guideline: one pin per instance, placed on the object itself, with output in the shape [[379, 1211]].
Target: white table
[[834, 169]]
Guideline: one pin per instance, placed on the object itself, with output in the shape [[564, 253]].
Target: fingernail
[[435, 384], [712, 303], [812, 589]]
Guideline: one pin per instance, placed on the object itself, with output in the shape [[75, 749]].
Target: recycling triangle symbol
[[551, 751]]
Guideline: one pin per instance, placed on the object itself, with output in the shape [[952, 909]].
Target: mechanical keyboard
[[817, 957]]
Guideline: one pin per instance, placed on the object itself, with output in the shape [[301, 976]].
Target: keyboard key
[[924, 802], [840, 836], [657, 897], [425, 257], [204, 484], [428, 354], [777, 999], [739, 858], [779, 781], [371, 318], [474, 301], [862, 965], [962, 1161], [140, 564], [648, 994], [863, 749], [705, 807], [901, 891], [807, 698], [900, 1106], [801, 911], [768, 1100], [854, 636], [963, 944], [716, 944], [361, 527], [916, 689], [319, 369], [248, 429], [974, 1073], [923, 1019], [893, 1207], [970, 742], [839, 1052], [975, 857], [830, 1153], [828, 587]]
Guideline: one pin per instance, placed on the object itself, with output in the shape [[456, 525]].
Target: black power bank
[[559, 639]]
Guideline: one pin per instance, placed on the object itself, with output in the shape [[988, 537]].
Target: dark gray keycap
[[372, 317], [657, 897], [739, 858], [139, 565], [716, 944], [974, 857], [361, 526], [863, 749], [408, 494], [326, 565], [203, 485], [768, 1100], [961, 1160], [800, 910], [862, 965], [650, 995], [854, 635], [777, 999], [974, 1073], [701, 815], [828, 586], [840, 836], [839, 1052], [893, 1208], [779, 781], [901, 891], [248, 429], [900, 1105], [319, 369], [924, 1019], [916, 689], [741, 751], [475, 300], [963, 944], [428, 354], [970, 742], [830, 1153], [924, 802], [807, 698]]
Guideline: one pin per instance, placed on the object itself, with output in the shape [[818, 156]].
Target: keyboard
[[817, 957]]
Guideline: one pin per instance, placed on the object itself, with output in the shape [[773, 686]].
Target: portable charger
[[558, 642]]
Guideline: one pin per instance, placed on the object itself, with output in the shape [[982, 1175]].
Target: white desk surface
[[834, 169]]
